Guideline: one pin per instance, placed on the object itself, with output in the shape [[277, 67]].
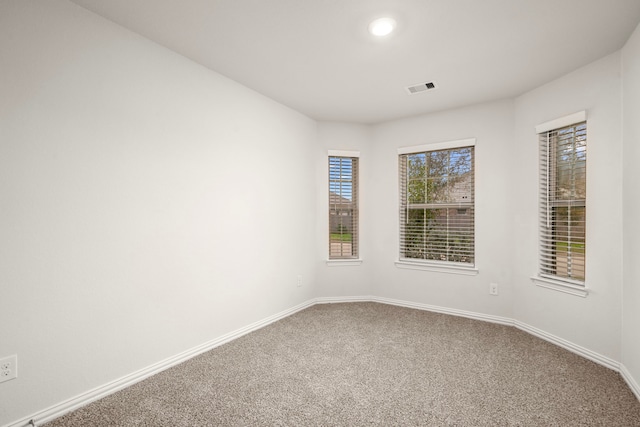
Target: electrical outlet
[[8, 368], [299, 283], [493, 288]]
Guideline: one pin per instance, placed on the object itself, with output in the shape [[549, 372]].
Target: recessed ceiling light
[[382, 27]]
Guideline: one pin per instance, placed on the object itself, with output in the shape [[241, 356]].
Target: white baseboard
[[568, 345], [633, 385], [444, 310], [332, 300], [83, 399]]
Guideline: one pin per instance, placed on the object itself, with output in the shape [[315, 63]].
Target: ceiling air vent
[[422, 87]]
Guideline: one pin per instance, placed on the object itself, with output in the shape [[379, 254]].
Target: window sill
[[560, 286], [343, 262], [438, 267]]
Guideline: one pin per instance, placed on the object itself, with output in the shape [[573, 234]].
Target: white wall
[[148, 205], [631, 194], [593, 322], [492, 126], [342, 280]]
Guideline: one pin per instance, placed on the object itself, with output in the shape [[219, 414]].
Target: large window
[[563, 196], [343, 207], [437, 204]]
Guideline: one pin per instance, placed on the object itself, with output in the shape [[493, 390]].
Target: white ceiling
[[317, 57]]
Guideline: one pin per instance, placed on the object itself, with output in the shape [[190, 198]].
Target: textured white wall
[[492, 126], [631, 194], [593, 322], [148, 205]]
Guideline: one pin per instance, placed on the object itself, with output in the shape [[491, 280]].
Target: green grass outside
[[337, 237], [575, 247]]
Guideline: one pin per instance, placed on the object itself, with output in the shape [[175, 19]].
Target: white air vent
[[422, 87]]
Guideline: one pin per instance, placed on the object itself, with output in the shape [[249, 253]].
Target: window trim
[[344, 262], [357, 260], [343, 153], [571, 119], [435, 265], [560, 285], [447, 145], [557, 283]]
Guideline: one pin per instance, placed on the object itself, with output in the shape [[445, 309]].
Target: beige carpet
[[359, 364]]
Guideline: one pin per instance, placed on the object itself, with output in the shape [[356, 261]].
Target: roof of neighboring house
[[336, 199]]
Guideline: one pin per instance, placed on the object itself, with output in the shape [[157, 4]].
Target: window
[[437, 203], [343, 206], [563, 196]]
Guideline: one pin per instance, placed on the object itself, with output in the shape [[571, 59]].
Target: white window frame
[[355, 260], [469, 269], [543, 278]]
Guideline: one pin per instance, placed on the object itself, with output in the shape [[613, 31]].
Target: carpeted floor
[[356, 364]]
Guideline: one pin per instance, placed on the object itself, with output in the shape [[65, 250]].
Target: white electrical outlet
[[8, 368], [299, 283], [493, 288]]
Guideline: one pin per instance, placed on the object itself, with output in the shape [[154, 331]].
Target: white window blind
[[437, 205], [563, 195], [343, 207]]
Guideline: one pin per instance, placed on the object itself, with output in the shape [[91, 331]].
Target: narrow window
[[563, 196], [437, 205], [343, 207]]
